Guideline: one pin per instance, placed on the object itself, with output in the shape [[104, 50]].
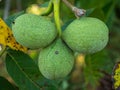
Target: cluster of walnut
[[56, 59]]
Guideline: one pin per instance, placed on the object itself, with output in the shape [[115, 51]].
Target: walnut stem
[[3, 50], [78, 12]]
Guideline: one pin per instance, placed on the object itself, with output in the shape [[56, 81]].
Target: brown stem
[[3, 50], [78, 12], [68, 4]]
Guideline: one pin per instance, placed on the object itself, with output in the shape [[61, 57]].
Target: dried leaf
[[116, 76], [7, 39]]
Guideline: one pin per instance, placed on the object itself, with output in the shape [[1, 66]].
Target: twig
[[2, 52], [7, 8], [78, 12], [68, 4], [49, 9]]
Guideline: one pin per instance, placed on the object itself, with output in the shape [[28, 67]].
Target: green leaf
[[92, 77], [45, 4], [22, 69], [98, 13], [89, 11], [95, 64], [11, 18], [5, 85], [66, 13], [86, 4], [26, 3], [28, 71], [66, 24], [108, 10]]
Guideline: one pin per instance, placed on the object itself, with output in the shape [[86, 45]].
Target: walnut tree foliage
[[23, 68]]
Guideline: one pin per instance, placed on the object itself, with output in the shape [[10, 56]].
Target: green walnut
[[56, 61], [86, 35], [33, 31]]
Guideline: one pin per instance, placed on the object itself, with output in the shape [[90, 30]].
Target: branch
[[78, 12], [2, 50], [49, 9], [68, 4], [7, 8]]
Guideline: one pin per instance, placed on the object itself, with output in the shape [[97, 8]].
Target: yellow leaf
[[7, 39], [116, 76]]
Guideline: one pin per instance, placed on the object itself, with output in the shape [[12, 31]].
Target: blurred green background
[[91, 72]]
